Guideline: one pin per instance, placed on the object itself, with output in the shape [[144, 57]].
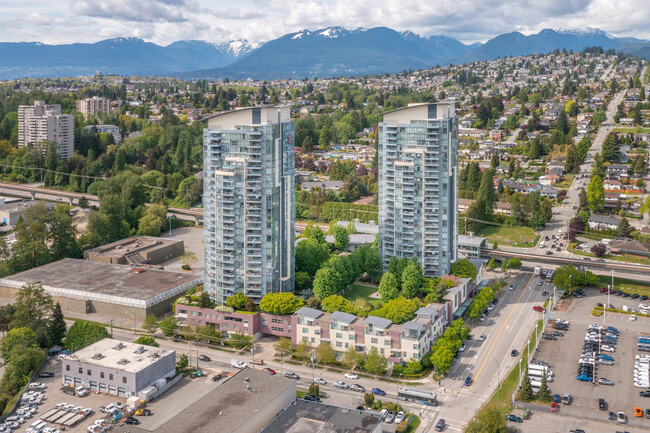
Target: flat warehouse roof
[[109, 353], [104, 282]]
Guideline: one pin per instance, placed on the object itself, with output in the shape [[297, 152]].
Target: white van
[[36, 426], [80, 391], [36, 386]]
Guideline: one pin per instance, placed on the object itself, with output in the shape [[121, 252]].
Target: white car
[[482, 318], [482, 337], [342, 385], [400, 417], [237, 363], [383, 412], [351, 376], [511, 287], [490, 307], [632, 317], [320, 381], [608, 348], [461, 348]]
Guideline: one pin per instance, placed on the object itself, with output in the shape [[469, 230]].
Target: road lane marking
[[494, 342]]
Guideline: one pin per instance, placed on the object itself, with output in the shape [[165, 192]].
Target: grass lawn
[[414, 424], [631, 130], [514, 236], [626, 259], [358, 291], [626, 285]]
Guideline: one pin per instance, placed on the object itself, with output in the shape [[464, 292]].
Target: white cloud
[[164, 21]]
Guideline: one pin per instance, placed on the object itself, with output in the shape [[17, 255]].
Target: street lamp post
[[498, 379], [313, 365], [170, 225], [253, 353]]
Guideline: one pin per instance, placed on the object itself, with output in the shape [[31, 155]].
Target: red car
[[268, 370], [603, 290], [540, 309], [554, 407]]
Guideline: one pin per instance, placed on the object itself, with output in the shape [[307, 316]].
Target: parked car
[[132, 421], [602, 405], [461, 348], [511, 287], [603, 381], [400, 417], [310, 397], [621, 418], [645, 393], [540, 309], [44, 374], [514, 418], [566, 398], [351, 376], [390, 417], [638, 412], [217, 377], [514, 353]]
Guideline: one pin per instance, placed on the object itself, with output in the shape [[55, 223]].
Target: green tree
[[515, 210], [150, 323], [398, 310], [492, 264], [168, 325], [83, 333], [57, 327], [611, 151], [153, 221], [351, 358], [327, 282], [624, 228], [341, 238], [314, 232], [18, 372], [147, 341], [369, 399], [514, 263], [464, 269], [396, 266], [182, 362], [325, 354], [337, 303], [239, 340], [310, 255], [543, 393], [442, 358], [494, 162], [526, 393], [375, 363], [16, 341], [6, 316], [84, 203], [205, 301], [237, 301], [562, 123], [388, 287], [280, 303], [209, 334], [488, 420], [412, 279], [33, 308], [596, 193], [282, 346]]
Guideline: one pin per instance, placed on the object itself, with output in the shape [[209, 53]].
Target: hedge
[[335, 211]]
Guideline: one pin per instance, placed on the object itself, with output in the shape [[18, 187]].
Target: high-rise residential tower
[[248, 199], [418, 187], [94, 105], [40, 122]]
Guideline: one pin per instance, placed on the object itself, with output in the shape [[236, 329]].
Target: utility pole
[[111, 328]]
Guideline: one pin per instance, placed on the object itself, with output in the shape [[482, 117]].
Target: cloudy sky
[[165, 21]]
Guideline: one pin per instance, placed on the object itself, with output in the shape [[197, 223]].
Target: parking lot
[[563, 355], [54, 396]]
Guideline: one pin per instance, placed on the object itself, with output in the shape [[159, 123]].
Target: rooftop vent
[[246, 379], [140, 349], [123, 361], [119, 346], [248, 388], [98, 356]]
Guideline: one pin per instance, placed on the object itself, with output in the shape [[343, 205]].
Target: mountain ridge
[[326, 52]]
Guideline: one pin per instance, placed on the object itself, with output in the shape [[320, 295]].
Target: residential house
[[334, 185], [598, 222], [630, 246]]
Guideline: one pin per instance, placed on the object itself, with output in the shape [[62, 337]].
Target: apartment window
[[193, 313], [387, 342], [67, 368], [382, 351], [339, 344], [225, 326], [339, 335], [351, 337], [101, 374], [110, 376], [81, 370], [246, 321], [182, 311], [88, 372], [373, 340], [264, 324], [305, 331], [282, 330], [312, 340], [200, 314], [124, 379], [347, 345]]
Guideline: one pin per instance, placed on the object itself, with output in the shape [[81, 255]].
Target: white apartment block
[[94, 105], [40, 122]]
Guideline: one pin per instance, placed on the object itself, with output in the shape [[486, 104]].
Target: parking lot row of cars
[[642, 372], [597, 339]]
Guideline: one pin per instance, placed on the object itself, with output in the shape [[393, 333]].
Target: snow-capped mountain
[[237, 48]]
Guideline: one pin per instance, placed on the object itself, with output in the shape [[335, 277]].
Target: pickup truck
[[257, 361]]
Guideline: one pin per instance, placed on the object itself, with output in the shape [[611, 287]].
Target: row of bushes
[[335, 211]]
